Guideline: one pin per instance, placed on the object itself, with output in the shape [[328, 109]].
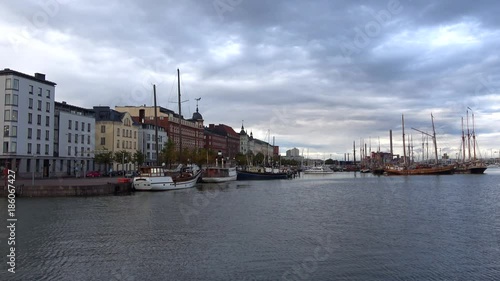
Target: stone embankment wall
[[84, 190]]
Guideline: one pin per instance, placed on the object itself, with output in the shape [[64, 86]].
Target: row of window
[[75, 150], [125, 144], [150, 137], [82, 138], [125, 133], [38, 119], [38, 134], [9, 131], [39, 105], [13, 84], [70, 123], [9, 147], [38, 146]]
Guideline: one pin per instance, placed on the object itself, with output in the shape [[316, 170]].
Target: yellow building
[[115, 132]]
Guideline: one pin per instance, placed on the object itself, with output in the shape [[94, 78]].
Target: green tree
[[168, 154], [122, 157], [241, 159], [258, 159], [329, 161], [105, 158], [138, 158]]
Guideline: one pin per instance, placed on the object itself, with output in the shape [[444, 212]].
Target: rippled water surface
[[343, 226]]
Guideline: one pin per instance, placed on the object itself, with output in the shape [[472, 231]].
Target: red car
[[93, 174]]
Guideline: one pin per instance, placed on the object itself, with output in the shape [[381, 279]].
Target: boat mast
[[404, 144], [434, 139], [180, 114], [156, 127], [463, 141], [468, 133], [473, 136]]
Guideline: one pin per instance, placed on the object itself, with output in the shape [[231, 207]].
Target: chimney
[[142, 113], [40, 76], [390, 138]]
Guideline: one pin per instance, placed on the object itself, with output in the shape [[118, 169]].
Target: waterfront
[[344, 226]]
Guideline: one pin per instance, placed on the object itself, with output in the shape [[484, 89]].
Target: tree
[[241, 159], [138, 158], [168, 154], [258, 159], [122, 157], [104, 158], [329, 161]]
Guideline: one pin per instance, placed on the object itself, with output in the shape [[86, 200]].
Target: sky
[[316, 75]]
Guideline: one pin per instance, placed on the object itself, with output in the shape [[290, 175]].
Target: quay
[[60, 187]]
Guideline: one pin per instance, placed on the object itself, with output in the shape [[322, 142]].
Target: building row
[[46, 138]]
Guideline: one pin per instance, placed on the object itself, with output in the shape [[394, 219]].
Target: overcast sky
[[317, 74]]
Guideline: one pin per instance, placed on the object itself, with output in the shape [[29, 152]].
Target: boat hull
[[244, 175], [446, 170], [164, 183], [216, 175]]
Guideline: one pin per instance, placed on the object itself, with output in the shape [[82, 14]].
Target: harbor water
[[343, 226]]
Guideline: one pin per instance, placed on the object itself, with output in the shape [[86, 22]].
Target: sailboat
[[420, 169], [158, 178], [472, 165]]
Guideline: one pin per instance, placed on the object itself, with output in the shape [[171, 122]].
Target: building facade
[[191, 129], [28, 123], [115, 132], [74, 140], [224, 139], [147, 142]]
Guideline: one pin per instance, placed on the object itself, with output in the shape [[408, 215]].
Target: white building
[[74, 141], [147, 143], [27, 121]]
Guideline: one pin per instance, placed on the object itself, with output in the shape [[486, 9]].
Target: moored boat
[[154, 178], [420, 170], [218, 174], [319, 170], [262, 174]]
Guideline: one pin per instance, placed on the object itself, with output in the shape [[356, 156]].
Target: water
[[343, 226]]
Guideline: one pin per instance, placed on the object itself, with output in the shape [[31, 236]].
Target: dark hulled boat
[[248, 175]]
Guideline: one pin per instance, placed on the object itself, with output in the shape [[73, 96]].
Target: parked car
[[131, 174], [93, 174]]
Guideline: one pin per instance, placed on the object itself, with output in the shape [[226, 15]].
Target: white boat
[[158, 179], [318, 170], [218, 174]]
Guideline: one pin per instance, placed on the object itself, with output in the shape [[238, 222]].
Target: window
[[30, 103], [13, 145], [103, 141], [39, 92], [13, 131], [47, 121], [47, 134], [69, 137], [76, 138], [88, 127], [15, 99], [30, 131], [123, 144], [7, 99], [48, 93], [38, 134], [29, 148], [5, 147], [47, 107], [39, 119], [83, 139], [37, 149], [69, 124], [76, 151], [47, 149], [30, 118], [82, 151], [8, 83], [148, 137], [16, 84], [83, 126], [103, 129], [123, 132], [31, 90], [76, 125], [39, 107], [8, 116], [69, 150], [88, 139], [135, 134], [135, 145], [118, 132], [6, 130], [118, 144]]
